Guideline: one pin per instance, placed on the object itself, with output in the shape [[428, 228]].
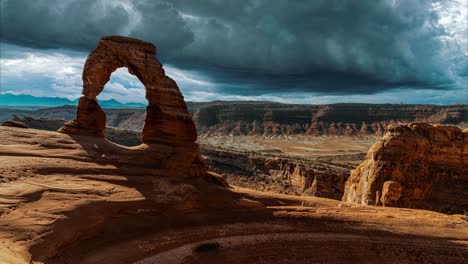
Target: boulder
[[391, 192]]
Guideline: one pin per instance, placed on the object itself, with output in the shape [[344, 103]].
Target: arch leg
[[90, 119]]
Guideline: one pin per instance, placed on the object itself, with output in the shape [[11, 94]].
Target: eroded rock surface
[[268, 119], [84, 200], [391, 193], [417, 166], [90, 119], [314, 176]]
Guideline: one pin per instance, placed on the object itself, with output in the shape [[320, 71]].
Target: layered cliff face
[[275, 120], [269, 119], [313, 179], [320, 176], [415, 166]]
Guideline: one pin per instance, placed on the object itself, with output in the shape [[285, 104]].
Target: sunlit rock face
[[417, 166], [168, 123]]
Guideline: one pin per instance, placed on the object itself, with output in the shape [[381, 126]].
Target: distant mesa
[[268, 119], [416, 166]]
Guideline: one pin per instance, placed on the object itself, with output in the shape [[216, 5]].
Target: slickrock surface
[[79, 199], [415, 166]]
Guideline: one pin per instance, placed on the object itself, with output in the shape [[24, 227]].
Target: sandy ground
[[298, 146], [67, 199]]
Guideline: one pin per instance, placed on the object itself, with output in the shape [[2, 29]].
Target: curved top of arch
[[115, 52]]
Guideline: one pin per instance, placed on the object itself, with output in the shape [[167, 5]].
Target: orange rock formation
[[168, 130], [417, 166]]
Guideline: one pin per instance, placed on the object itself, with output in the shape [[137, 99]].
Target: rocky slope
[[62, 198], [264, 170], [416, 166], [274, 119]]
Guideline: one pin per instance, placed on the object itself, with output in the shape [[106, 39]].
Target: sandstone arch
[[167, 117], [169, 133]]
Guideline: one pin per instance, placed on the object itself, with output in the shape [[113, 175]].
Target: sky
[[312, 52]]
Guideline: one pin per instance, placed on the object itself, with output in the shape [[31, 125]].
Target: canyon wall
[[416, 166], [321, 176], [275, 119]]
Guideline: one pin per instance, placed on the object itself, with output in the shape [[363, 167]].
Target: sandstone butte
[[415, 166], [75, 197]]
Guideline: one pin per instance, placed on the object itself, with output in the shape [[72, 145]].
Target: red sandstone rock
[[63, 198], [169, 129], [429, 162], [391, 192], [268, 119], [167, 119], [90, 119], [11, 123]]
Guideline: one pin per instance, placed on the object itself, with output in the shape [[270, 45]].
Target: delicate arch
[[167, 118]]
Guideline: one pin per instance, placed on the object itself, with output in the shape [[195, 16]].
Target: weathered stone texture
[[417, 166]]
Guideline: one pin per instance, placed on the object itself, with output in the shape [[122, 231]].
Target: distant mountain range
[[9, 99]]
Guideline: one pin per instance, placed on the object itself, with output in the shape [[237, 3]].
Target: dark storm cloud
[[78, 24], [259, 46]]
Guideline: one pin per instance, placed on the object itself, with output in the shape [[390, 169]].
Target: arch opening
[[124, 123]]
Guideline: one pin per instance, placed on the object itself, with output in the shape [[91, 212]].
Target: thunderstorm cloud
[[260, 49]]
